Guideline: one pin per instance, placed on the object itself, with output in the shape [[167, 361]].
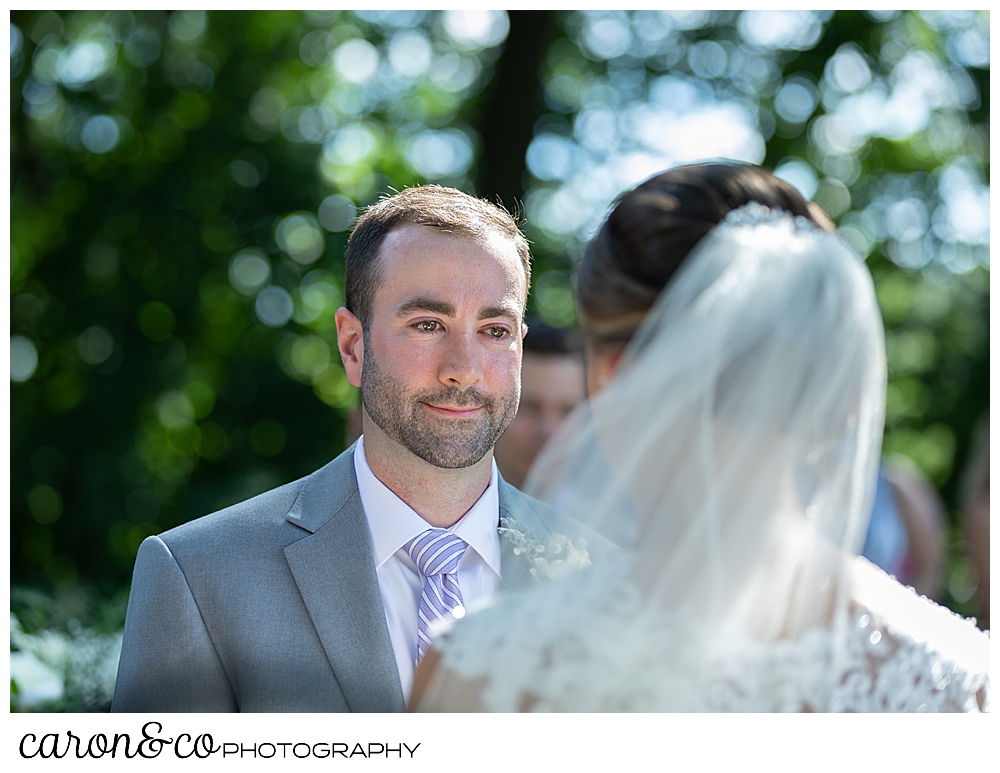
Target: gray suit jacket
[[273, 604]]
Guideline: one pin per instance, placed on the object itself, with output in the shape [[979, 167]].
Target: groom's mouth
[[453, 412]]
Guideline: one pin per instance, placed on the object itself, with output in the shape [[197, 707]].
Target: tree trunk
[[508, 118]]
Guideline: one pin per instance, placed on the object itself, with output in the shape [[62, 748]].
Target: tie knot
[[436, 551]]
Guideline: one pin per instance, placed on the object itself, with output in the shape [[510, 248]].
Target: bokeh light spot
[[23, 358], [472, 30], [95, 345], [274, 306], [299, 235], [356, 60], [174, 411], [156, 321], [45, 504], [796, 100], [100, 134], [142, 47], [249, 270], [792, 30], [337, 212], [800, 174], [267, 438]]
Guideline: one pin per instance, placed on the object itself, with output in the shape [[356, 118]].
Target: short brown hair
[[652, 229], [435, 206]]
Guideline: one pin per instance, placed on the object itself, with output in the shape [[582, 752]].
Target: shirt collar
[[393, 523]]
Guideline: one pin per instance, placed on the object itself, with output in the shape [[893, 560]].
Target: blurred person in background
[[906, 534], [552, 383]]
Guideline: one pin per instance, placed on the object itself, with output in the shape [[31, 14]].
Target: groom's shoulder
[[514, 503], [267, 513], [540, 516]]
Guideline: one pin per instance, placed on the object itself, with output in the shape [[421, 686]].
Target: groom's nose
[[460, 366]]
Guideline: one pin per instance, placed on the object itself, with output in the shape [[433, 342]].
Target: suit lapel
[[539, 520], [515, 569], [335, 573]]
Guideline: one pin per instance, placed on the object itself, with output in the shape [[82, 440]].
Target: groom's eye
[[428, 325], [499, 333]]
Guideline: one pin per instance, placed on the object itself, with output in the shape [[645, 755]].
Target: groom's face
[[440, 371]]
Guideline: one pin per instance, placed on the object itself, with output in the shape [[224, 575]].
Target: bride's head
[[647, 238], [736, 364]]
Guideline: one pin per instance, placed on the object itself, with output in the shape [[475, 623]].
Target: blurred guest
[[552, 383], [906, 531], [352, 430], [976, 506]]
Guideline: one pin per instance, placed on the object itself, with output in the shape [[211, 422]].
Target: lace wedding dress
[[733, 458], [601, 653]]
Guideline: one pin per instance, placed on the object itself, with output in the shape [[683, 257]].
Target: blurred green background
[[182, 186]]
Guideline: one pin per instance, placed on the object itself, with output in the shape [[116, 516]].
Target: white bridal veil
[[733, 458], [736, 450]]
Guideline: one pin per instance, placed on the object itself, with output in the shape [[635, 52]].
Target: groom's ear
[[351, 344]]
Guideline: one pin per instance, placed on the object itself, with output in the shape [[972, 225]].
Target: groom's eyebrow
[[443, 308], [446, 309], [504, 310]]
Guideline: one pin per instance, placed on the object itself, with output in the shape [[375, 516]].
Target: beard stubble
[[447, 443]]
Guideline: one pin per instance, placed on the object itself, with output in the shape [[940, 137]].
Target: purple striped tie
[[436, 553]]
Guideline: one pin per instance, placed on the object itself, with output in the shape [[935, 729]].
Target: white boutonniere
[[550, 559]]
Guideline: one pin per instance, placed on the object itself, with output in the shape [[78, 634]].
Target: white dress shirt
[[393, 523]]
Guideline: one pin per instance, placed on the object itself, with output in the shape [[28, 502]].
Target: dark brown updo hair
[[652, 229]]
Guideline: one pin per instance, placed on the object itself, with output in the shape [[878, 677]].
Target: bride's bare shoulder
[[905, 615], [438, 687]]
